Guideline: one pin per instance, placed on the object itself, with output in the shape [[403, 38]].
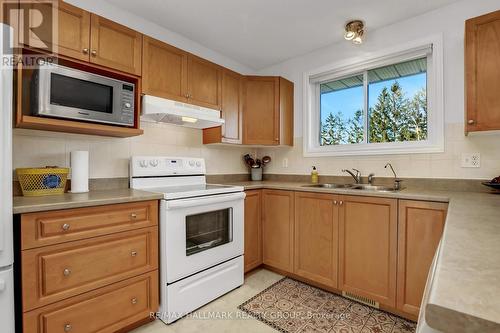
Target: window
[[389, 104]]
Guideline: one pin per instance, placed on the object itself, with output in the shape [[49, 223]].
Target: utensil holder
[[256, 174]]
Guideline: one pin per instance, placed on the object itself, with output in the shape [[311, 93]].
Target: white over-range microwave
[[63, 92]]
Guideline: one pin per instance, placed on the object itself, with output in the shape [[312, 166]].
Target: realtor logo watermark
[[33, 39]]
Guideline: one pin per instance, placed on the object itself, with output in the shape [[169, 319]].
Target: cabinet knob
[[66, 226], [85, 50], [471, 121], [133, 300], [94, 52], [67, 327], [341, 202], [67, 272], [133, 216], [133, 253], [334, 202]]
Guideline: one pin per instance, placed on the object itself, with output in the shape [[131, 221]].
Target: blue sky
[[348, 101]]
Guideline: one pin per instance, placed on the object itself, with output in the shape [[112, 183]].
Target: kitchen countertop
[[463, 292], [77, 200]]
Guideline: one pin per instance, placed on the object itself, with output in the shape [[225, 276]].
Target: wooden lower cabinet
[[419, 232], [368, 247], [91, 269], [316, 237], [253, 230], [277, 228], [104, 310]]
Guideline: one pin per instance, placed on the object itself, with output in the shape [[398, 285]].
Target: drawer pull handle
[[67, 272], [133, 215], [133, 300], [66, 226], [67, 327], [133, 253]]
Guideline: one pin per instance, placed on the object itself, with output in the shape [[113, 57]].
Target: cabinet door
[[316, 237], [261, 113], [253, 230], [420, 228], [115, 46], [482, 68], [368, 246], [277, 229], [204, 83], [164, 70], [231, 112], [232, 105], [73, 37], [286, 112]]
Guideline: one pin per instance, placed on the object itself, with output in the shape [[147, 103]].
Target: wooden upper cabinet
[[482, 70], [115, 46], [231, 111], [204, 83], [286, 112], [316, 237], [368, 247], [73, 33], [261, 115], [277, 229], [268, 112], [164, 70], [420, 228], [253, 230]]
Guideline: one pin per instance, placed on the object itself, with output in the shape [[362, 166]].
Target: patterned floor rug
[[291, 306]]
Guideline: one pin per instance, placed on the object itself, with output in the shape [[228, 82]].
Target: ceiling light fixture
[[354, 31]]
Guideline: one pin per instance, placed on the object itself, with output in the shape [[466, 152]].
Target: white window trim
[[435, 109]]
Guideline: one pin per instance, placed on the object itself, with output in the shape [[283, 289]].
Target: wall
[[447, 20], [109, 156]]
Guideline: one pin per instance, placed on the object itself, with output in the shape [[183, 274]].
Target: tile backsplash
[[437, 165], [109, 156]]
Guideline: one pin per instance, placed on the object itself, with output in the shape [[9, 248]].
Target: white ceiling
[[260, 33]]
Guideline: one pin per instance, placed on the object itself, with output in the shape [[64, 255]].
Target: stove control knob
[[153, 163], [198, 164], [191, 163], [143, 164]]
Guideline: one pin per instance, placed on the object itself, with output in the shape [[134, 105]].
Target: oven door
[[65, 92], [201, 232]]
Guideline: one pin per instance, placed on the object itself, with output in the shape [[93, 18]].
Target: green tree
[[394, 117], [355, 128], [333, 130]]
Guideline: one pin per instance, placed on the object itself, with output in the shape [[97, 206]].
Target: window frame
[[361, 66]]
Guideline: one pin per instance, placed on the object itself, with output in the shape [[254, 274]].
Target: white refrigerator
[[6, 233]]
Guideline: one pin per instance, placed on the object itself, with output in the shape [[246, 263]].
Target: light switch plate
[[471, 160], [285, 162]]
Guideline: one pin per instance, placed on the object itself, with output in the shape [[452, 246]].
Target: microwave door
[[72, 94]]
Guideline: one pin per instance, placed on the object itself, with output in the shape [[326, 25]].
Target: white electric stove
[[201, 232]]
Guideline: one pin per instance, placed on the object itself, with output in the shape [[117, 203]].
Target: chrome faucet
[[357, 176], [397, 182], [370, 178]]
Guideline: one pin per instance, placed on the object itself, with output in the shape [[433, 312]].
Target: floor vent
[[361, 299]]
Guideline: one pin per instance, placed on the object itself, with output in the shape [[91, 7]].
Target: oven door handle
[[202, 201]]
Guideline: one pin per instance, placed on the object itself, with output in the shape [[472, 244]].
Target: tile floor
[[226, 305]]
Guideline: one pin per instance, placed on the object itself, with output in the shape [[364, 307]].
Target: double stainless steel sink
[[361, 187]]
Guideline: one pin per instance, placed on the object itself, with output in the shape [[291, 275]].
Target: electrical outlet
[[285, 163], [471, 160]]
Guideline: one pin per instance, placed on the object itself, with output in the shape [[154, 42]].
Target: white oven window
[[207, 230]]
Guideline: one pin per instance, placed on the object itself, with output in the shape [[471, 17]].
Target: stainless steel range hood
[[162, 110]]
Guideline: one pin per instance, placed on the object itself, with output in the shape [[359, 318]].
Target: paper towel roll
[[79, 171]]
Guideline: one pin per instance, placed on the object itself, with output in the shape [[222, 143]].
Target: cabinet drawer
[[60, 271], [101, 311], [47, 228]]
